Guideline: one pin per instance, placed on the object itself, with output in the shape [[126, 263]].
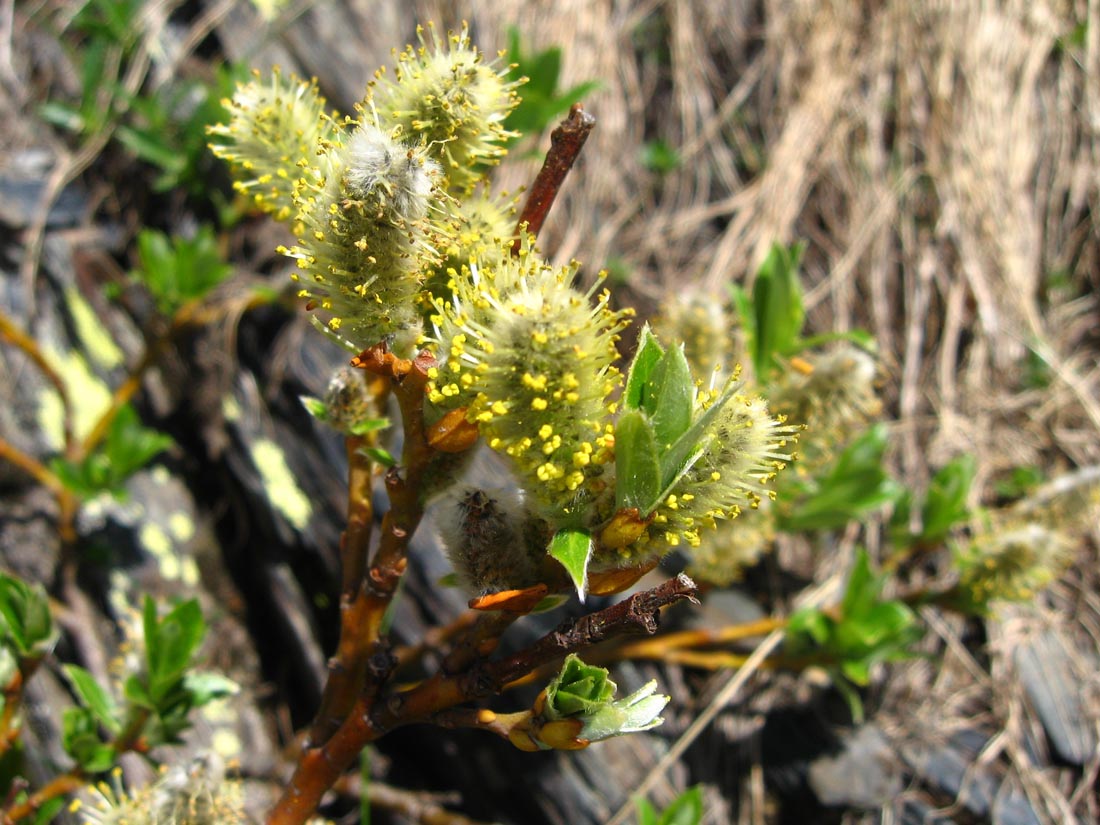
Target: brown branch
[[347, 667], [480, 641], [319, 768], [32, 467], [66, 783], [363, 660], [13, 335], [566, 142]]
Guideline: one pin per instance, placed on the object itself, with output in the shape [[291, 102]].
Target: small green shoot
[[127, 448], [27, 631], [853, 486], [866, 630], [177, 270], [158, 699], [541, 102], [685, 809]]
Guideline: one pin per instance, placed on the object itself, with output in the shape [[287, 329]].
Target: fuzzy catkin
[[445, 96], [531, 358], [364, 235], [492, 540], [277, 133]]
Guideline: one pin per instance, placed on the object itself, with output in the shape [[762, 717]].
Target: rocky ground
[[942, 163]]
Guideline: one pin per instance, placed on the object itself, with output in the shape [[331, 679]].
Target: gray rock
[[864, 774], [1046, 671]]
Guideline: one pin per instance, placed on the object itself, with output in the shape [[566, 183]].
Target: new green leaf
[[646, 356], [637, 466], [572, 549], [669, 396], [94, 697]]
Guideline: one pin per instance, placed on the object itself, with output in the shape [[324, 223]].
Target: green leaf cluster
[[943, 508], [541, 102], [854, 485], [27, 631], [866, 630], [685, 809], [157, 700], [578, 689], [165, 127], [773, 315], [177, 269], [656, 438], [127, 448]]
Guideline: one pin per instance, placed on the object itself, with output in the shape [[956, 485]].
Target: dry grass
[[941, 158]]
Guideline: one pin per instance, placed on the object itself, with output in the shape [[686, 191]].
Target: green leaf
[[136, 692], [646, 356], [9, 667], [204, 688], [62, 115], [777, 308], [380, 455], [810, 623], [540, 101], [80, 739], [945, 503], [863, 588], [669, 396], [25, 619], [94, 697], [647, 814], [853, 486], [686, 809], [315, 407], [170, 644], [679, 458], [855, 671], [637, 467], [46, 814], [369, 425], [572, 549]]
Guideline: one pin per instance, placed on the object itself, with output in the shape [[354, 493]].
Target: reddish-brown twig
[[566, 142], [319, 768]]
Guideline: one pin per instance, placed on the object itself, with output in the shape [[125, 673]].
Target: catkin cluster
[[400, 239], [370, 198]]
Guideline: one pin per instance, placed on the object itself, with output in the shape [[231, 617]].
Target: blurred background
[[939, 159]]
